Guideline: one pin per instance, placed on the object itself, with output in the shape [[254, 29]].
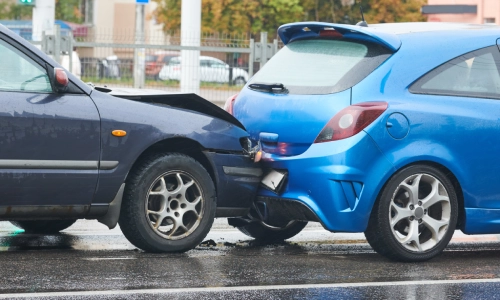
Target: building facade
[[464, 11]]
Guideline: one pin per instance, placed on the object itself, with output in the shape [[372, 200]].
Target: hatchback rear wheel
[[415, 215], [267, 233]]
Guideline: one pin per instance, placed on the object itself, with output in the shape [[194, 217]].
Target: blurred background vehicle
[[156, 61], [109, 67], [211, 70], [76, 65]]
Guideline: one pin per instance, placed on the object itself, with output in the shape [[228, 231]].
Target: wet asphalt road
[[87, 261]]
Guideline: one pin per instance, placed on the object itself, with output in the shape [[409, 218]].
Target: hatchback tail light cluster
[[228, 106], [350, 121]]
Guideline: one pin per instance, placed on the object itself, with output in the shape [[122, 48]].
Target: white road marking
[[247, 288], [107, 258]]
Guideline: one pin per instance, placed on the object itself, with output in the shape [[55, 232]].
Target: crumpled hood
[[181, 100]]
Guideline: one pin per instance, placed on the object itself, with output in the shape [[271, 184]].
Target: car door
[[219, 71], [463, 96], [49, 142], [205, 74]]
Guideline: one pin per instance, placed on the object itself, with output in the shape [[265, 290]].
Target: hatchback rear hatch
[[289, 101]]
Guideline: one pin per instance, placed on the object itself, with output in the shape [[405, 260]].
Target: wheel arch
[[182, 145]]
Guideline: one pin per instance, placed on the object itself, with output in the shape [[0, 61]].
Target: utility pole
[[139, 53], [44, 15], [190, 36]]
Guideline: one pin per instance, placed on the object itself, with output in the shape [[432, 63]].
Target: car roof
[[178, 58], [415, 27]]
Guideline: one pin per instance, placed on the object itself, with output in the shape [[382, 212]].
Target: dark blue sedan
[[389, 129], [162, 166]]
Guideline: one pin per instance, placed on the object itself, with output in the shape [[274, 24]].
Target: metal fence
[[112, 58]]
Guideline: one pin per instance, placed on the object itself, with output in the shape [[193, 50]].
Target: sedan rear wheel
[[415, 216]]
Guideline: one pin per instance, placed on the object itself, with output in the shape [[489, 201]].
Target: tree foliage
[[390, 11], [66, 10], [69, 10], [234, 16], [254, 16], [9, 10]]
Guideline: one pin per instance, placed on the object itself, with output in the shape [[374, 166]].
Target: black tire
[[267, 233], [390, 240], [239, 81], [137, 225], [43, 226]]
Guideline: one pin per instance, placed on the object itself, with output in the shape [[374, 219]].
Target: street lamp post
[[190, 36]]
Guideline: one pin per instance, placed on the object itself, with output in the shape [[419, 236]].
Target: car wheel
[[415, 215], [43, 226], [268, 233], [239, 81], [169, 204]]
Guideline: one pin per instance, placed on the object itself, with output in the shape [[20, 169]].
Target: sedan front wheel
[[169, 204]]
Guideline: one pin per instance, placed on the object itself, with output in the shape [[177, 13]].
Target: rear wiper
[[278, 88]]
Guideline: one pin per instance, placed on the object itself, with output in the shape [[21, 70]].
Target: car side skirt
[[482, 221]]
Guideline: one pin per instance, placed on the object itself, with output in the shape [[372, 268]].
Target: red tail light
[[228, 106], [350, 121]]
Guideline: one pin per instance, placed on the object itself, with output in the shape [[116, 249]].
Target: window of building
[[87, 8], [475, 74], [489, 20]]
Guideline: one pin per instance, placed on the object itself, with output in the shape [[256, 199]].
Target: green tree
[[9, 10], [375, 11], [69, 10], [254, 16], [234, 16], [390, 11]]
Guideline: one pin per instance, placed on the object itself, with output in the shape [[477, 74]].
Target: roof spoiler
[[301, 30]]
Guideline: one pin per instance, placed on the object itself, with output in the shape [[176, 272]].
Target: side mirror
[[58, 79], [61, 80]]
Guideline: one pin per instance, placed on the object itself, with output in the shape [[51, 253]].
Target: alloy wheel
[[174, 205], [420, 212]]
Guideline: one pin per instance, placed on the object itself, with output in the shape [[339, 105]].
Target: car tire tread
[[130, 222]]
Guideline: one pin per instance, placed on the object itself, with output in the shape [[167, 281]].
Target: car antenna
[[362, 23]]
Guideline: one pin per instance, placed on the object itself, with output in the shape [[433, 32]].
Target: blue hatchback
[[388, 129]]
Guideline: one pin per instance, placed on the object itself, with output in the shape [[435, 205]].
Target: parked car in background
[[211, 70], [109, 67], [76, 65], [382, 129], [162, 166], [156, 60]]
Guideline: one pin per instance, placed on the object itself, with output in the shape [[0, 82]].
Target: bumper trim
[[289, 209], [239, 171], [228, 212]]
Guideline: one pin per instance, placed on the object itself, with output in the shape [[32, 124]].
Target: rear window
[[321, 66]]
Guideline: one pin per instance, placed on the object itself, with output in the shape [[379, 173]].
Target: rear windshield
[[320, 66]]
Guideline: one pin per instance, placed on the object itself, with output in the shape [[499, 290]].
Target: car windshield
[[321, 66]]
